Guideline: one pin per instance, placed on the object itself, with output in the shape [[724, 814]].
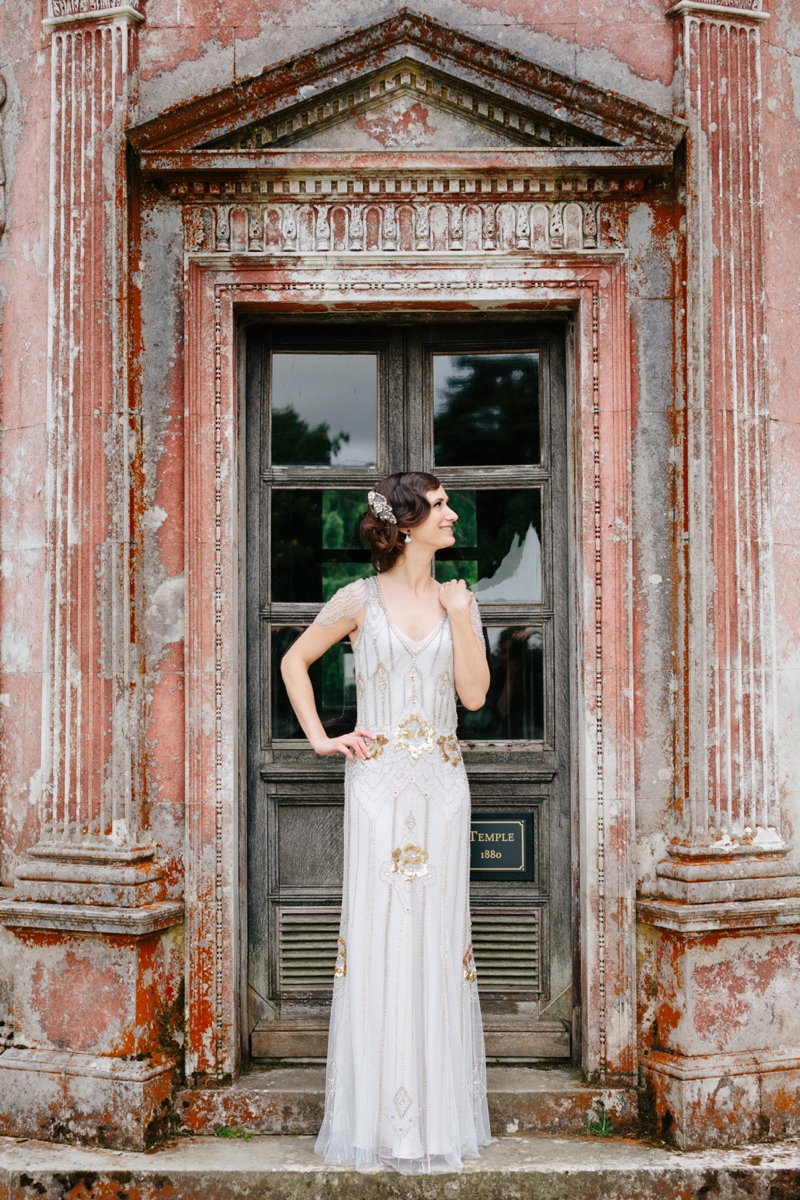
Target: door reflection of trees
[[486, 409]]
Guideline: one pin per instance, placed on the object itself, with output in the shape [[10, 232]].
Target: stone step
[[511, 1037], [287, 1169], [290, 1100]]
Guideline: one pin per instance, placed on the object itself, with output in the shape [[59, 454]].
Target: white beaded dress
[[406, 1077]]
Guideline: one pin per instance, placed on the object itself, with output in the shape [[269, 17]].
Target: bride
[[406, 1078]]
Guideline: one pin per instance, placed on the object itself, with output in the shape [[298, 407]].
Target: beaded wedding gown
[[406, 1078]]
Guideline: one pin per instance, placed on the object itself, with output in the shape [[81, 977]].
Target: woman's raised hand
[[351, 745], [455, 596]]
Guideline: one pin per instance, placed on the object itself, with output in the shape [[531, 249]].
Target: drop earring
[[407, 537]]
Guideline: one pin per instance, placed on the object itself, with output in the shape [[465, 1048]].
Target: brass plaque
[[501, 846]]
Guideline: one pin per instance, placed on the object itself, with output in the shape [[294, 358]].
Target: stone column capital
[[718, 10], [68, 13]]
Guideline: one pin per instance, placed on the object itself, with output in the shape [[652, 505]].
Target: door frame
[[600, 423], [517, 774]]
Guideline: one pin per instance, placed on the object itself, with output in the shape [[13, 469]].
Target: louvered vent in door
[[507, 950], [307, 949]]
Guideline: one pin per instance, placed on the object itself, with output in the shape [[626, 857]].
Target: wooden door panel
[[310, 846]]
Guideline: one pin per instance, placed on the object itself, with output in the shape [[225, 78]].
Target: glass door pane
[[498, 548], [324, 409], [486, 409], [315, 545]]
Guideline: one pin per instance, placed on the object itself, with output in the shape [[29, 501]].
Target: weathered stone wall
[[187, 48]]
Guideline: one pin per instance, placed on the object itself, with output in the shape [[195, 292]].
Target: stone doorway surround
[[592, 286], [526, 213]]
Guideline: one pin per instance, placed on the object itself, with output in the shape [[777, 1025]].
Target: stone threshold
[[287, 1169], [290, 1101]]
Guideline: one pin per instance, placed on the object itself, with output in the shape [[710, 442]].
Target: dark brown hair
[[406, 494]]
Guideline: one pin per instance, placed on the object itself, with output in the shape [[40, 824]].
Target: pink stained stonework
[[168, 176]]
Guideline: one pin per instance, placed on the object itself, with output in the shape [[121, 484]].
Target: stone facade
[[167, 165]]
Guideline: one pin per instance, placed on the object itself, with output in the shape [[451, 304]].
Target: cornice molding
[[408, 77], [722, 916], [416, 165]]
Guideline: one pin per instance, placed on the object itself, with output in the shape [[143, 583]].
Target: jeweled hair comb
[[380, 507]]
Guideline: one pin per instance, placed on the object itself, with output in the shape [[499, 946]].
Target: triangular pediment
[[406, 84], [408, 105]]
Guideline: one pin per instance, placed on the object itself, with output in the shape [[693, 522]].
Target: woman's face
[[436, 531]]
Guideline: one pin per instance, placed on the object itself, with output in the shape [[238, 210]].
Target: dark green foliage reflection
[[296, 444], [486, 409], [315, 545]]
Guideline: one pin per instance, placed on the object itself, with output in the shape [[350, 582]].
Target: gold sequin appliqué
[[415, 735], [340, 970], [470, 973], [449, 749], [376, 745], [410, 861]]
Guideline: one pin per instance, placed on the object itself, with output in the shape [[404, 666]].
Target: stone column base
[[96, 1010], [720, 1019], [65, 1097], [716, 1100]]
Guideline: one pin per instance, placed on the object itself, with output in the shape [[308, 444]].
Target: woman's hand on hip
[[455, 596], [351, 745]]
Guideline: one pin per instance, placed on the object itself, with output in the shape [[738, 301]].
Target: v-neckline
[[398, 631]]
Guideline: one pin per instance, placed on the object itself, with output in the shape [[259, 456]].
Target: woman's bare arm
[[472, 675], [310, 646]]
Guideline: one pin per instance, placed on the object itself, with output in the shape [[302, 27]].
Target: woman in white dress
[[406, 1079]]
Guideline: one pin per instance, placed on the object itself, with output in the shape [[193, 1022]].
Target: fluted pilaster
[[89, 806], [730, 781]]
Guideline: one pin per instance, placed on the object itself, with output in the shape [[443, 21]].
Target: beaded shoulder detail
[[347, 602], [475, 618]]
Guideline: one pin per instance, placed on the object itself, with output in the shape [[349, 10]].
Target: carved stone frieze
[[257, 228], [721, 12]]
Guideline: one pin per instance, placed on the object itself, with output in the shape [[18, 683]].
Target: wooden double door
[[331, 407]]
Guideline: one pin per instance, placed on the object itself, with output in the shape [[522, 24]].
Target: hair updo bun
[[406, 493]]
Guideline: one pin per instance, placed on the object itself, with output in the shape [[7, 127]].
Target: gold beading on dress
[[470, 972], [449, 749], [376, 747], [415, 735], [410, 861]]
